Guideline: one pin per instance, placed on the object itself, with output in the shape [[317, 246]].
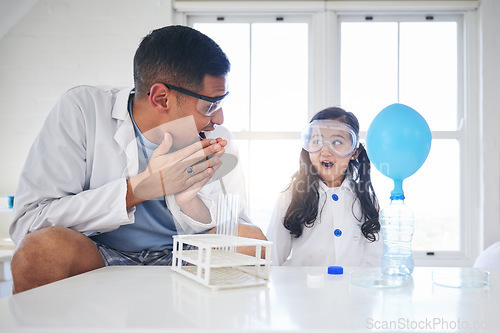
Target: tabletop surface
[[154, 299]]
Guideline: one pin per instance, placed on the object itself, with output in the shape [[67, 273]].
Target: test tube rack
[[212, 260]]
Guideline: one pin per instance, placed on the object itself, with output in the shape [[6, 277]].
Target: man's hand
[[166, 172], [185, 197]]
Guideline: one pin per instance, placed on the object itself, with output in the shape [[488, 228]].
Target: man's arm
[[55, 183]]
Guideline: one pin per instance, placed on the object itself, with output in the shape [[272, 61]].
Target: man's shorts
[[114, 257]]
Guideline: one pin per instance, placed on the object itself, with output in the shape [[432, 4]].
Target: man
[[114, 173]]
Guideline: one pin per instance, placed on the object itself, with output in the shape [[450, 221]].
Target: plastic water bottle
[[397, 231]]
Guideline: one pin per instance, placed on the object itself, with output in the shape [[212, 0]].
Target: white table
[[154, 299]]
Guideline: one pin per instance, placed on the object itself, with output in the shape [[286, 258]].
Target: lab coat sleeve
[[277, 233], [53, 188], [184, 223]]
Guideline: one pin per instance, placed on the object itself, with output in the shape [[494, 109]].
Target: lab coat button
[[337, 232], [355, 238], [335, 197]]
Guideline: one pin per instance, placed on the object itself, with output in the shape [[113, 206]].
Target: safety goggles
[[340, 138], [206, 105]]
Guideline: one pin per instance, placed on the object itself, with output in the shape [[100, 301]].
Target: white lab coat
[[318, 245], [75, 173]]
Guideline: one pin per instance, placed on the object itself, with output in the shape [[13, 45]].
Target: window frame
[[324, 85], [246, 139], [459, 134]]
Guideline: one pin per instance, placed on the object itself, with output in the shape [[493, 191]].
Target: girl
[[329, 214]]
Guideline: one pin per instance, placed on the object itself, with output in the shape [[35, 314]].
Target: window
[[285, 68], [411, 60], [268, 101]]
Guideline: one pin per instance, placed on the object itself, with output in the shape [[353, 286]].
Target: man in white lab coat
[[115, 173]]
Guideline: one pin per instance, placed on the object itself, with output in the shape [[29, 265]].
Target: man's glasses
[[207, 106]]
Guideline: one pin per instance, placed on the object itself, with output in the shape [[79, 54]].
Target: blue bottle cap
[[336, 270], [10, 201]]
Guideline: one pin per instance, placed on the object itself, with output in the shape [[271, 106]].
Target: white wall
[[63, 43], [59, 44], [490, 104]]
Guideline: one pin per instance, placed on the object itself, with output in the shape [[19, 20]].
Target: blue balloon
[[398, 142]]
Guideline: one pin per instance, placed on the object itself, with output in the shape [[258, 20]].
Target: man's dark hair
[[177, 55]]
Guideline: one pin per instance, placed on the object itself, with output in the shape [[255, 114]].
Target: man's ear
[[159, 96]]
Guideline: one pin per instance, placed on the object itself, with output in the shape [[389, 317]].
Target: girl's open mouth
[[327, 164]]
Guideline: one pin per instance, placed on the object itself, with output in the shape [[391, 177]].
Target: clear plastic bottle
[[397, 231]]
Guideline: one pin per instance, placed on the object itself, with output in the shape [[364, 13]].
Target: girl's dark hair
[[303, 209], [177, 55]]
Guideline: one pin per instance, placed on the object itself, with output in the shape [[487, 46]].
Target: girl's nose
[[327, 150]]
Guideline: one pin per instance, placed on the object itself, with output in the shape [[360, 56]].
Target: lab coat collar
[[125, 135], [346, 184], [120, 110]]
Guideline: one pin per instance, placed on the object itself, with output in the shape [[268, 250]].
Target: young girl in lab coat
[[329, 214]]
